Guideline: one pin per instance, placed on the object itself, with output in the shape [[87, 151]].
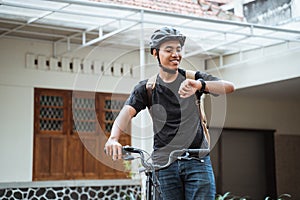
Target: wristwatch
[[203, 85]]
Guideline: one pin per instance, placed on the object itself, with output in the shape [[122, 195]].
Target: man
[[176, 122]]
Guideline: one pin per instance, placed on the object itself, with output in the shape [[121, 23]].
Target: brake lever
[[186, 156]]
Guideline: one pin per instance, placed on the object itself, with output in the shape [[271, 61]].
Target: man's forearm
[[115, 133], [122, 121], [219, 87], [113, 147]]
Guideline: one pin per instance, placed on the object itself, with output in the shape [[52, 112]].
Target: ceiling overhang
[[87, 23]]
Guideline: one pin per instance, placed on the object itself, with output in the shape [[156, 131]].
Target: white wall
[[295, 8], [16, 136], [274, 64]]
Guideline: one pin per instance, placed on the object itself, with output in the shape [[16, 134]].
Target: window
[[70, 129]]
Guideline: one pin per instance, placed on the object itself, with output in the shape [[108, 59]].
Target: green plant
[[127, 167], [228, 196], [281, 197], [129, 197]]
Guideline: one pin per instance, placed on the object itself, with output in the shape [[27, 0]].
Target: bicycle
[[152, 183]]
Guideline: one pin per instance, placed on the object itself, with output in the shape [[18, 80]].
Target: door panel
[[58, 156], [50, 157], [41, 154]]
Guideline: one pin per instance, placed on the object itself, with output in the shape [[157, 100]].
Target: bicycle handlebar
[[200, 152], [149, 168]]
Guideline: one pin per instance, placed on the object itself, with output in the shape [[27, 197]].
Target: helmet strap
[[170, 71]]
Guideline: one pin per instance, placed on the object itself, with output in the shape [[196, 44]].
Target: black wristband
[[203, 85]]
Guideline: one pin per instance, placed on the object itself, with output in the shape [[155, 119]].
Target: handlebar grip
[[126, 149], [125, 153], [131, 149]]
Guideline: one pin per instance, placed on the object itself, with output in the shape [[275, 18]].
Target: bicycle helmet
[[164, 34]]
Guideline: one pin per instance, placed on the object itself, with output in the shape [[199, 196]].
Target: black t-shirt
[[176, 122]]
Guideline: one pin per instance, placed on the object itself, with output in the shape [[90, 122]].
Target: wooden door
[[71, 129], [50, 138], [108, 110]]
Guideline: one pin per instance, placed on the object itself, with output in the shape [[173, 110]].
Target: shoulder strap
[[150, 85], [190, 74]]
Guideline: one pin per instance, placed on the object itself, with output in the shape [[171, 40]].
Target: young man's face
[[170, 54]]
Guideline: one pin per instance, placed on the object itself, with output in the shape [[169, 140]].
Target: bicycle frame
[[152, 186]]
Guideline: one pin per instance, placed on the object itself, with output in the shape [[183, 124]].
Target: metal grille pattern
[[111, 116], [51, 125], [51, 101], [51, 113], [112, 108], [84, 115], [114, 104]]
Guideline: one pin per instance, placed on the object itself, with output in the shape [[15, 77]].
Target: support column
[[144, 140], [142, 133]]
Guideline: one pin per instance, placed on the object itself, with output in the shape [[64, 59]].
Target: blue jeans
[[188, 180]]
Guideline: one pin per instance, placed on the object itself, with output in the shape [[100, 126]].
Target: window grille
[[51, 113], [84, 114], [112, 109]]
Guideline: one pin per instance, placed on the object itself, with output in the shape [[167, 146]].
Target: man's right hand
[[113, 149]]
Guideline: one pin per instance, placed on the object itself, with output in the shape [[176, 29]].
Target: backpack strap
[[190, 74], [206, 143], [150, 85]]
